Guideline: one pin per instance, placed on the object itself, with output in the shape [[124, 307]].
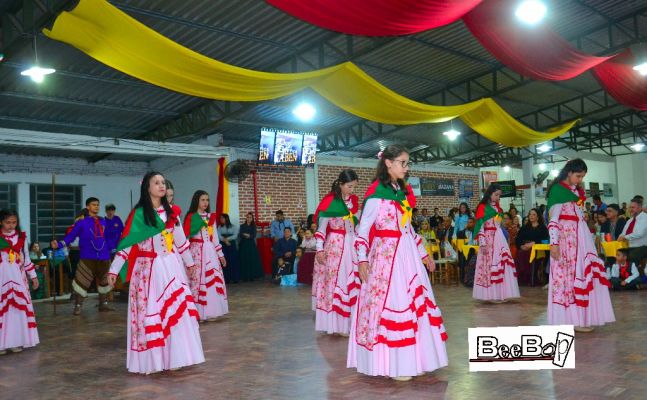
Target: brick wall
[[285, 189], [279, 187], [328, 173]]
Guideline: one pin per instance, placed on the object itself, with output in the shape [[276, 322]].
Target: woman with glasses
[[397, 330]]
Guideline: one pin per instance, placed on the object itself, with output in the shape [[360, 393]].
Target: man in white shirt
[[635, 231]]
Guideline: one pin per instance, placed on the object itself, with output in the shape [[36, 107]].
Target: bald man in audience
[[635, 231]]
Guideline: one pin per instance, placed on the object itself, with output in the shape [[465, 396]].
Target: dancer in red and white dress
[[206, 279], [495, 278], [578, 291], [397, 330], [17, 320], [163, 330], [336, 285]]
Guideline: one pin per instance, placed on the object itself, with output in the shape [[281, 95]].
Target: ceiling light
[[531, 11], [37, 74], [641, 68], [554, 173], [304, 111], [452, 134], [544, 148], [542, 167], [637, 146], [506, 168]]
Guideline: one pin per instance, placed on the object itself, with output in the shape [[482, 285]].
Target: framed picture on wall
[[465, 188], [594, 187], [608, 190], [414, 181]]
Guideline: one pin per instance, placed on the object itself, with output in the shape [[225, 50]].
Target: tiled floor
[[267, 349]]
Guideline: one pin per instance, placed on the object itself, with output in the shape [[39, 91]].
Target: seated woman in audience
[[623, 274], [428, 235], [309, 242], [228, 236], [35, 254], [533, 232]]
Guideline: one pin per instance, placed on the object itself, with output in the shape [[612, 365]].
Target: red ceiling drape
[[620, 80], [533, 51], [377, 17]]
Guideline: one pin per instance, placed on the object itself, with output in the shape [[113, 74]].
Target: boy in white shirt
[[623, 275]]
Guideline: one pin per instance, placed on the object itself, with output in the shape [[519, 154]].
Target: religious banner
[[489, 177], [437, 187], [465, 188]]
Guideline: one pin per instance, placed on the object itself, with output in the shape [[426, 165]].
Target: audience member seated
[[623, 275], [598, 205], [615, 222], [467, 265], [635, 232], [284, 248], [428, 236], [435, 221], [534, 231], [35, 254], [514, 215], [445, 236], [309, 243], [279, 224]]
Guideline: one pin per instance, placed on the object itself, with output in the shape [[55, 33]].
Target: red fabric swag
[[377, 17]]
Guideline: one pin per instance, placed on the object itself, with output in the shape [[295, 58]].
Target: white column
[[24, 208], [312, 189], [528, 194]]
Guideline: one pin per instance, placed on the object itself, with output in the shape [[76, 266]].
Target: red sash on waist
[[569, 217], [340, 231], [196, 240], [387, 233]]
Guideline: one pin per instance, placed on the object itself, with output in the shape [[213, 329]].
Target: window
[[9, 196], [67, 199]]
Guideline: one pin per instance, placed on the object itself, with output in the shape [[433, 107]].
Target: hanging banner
[[465, 188], [489, 177], [437, 187], [414, 181]]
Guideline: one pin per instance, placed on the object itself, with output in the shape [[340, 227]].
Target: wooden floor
[[267, 349]]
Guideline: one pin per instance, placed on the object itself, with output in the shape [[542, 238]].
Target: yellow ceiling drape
[[121, 42]]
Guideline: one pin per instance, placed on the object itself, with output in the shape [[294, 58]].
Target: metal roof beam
[[500, 80]]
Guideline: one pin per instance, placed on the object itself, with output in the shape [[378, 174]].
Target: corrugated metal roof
[[87, 97]]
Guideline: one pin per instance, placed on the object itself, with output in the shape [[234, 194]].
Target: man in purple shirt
[[95, 256], [114, 228]]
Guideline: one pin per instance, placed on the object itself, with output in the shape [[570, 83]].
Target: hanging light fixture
[[542, 167], [544, 148], [36, 72], [639, 52], [637, 147], [452, 133], [506, 168], [531, 11], [304, 111]]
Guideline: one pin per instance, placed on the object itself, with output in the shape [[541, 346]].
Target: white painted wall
[[631, 172], [188, 176]]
